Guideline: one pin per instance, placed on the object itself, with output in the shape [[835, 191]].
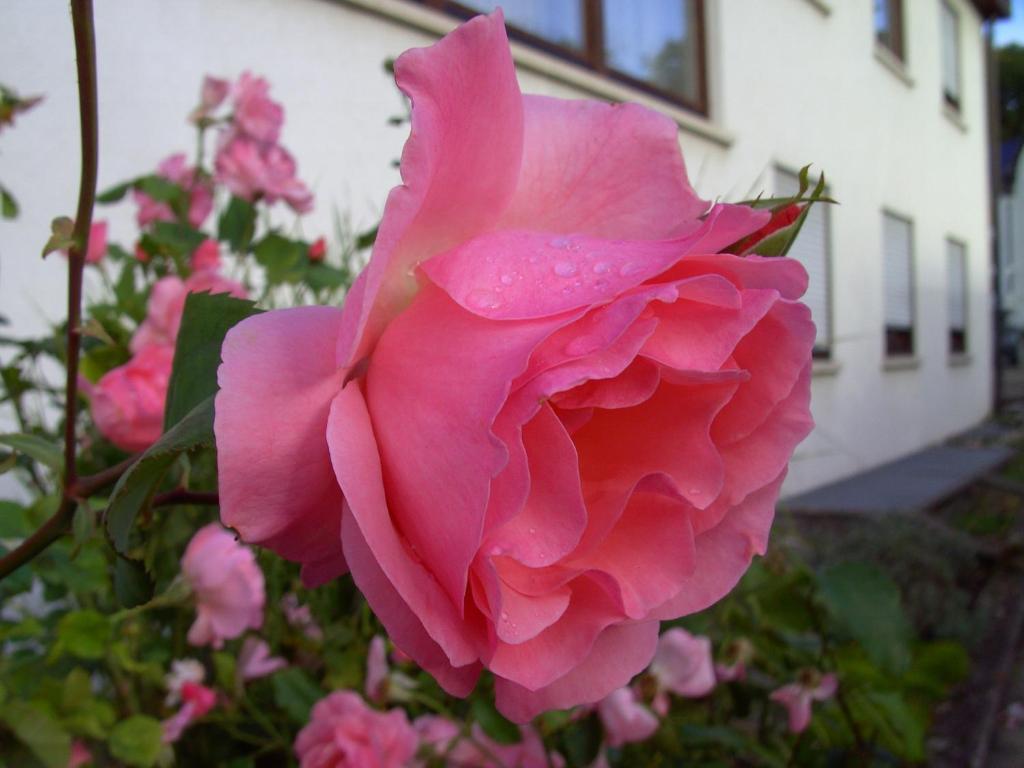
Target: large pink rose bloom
[[228, 586], [128, 402], [344, 733], [551, 413]]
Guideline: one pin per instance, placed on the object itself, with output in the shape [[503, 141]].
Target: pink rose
[[252, 170], [344, 733], [128, 402], [256, 114], [318, 249], [206, 256], [481, 751], [683, 664], [255, 661], [625, 719], [182, 671], [550, 414], [797, 697], [176, 169], [196, 700], [228, 586]]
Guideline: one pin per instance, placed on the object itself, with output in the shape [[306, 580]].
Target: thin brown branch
[[85, 50]]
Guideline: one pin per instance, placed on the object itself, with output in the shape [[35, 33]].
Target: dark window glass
[[889, 25], [557, 21], [950, 55], [899, 341], [656, 42]]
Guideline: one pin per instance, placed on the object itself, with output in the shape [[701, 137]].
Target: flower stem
[[85, 50]]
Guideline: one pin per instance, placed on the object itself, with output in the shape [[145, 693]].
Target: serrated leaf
[[205, 321], [295, 693], [237, 224], [135, 488], [866, 605], [36, 729], [137, 741], [114, 193], [35, 447]]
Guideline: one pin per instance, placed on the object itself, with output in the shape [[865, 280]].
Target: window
[[897, 253], [889, 26], [950, 54], [656, 46], [812, 250], [956, 257]]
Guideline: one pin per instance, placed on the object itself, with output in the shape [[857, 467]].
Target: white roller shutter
[[811, 249], [956, 256], [897, 250]]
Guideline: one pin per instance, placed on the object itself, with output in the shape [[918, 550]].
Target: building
[[888, 96], [1011, 246]]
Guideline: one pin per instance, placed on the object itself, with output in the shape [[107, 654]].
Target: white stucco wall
[[789, 85]]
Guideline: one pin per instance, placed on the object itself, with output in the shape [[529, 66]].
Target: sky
[[1012, 29]]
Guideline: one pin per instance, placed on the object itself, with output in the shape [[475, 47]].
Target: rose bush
[[553, 411]]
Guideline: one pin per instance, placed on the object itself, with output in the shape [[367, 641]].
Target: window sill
[[825, 367], [954, 116], [821, 6], [426, 19], [902, 363], [888, 60], [960, 359]]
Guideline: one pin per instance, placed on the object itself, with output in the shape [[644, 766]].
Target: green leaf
[[39, 731], [324, 276], [61, 235], [132, 584], [137, 485], [85, 634], [937, 667], [865, 603], [114, 193], [583, 740], [14, 522], [158, 188], [8, 205], [237, 224], [224, 670], [176, 239], [367, 238], [204, 323], [295, 693], [35, 447], [137, 741], [283, 259], [493, 722]]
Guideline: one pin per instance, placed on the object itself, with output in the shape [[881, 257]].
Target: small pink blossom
[[797, 697], [300, 617], [318, 249], [128, 402], [683, 665], [206, 256], [255, 661], [376, 686], [737, 655], [256, 114], [197, 700], [228, 586], [80, 754], [211, 95], [252, 170], [625, 719], [481, 751], [344, 733], [176, 169], [436, 733], [182, 671]]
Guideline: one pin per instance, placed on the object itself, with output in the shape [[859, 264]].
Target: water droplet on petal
[[600, 267], [629, 268], [506, 279], [560, 242], [533, 530], [504, 615], [483, 299], [565, 269]]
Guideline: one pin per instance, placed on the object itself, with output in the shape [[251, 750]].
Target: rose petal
[[277, 487]]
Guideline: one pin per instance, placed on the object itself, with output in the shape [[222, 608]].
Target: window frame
[[900, 341], [957, 338], [592, 56], [819, 352], [952, 101], [896, 18]]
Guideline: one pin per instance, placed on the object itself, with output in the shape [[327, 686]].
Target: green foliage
[[84, 634], [37, 729], [35, 447], [295, 693], [206, 320], [136, 741], [237, 224]]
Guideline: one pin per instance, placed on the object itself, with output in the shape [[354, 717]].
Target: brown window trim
[[592, 54], [895, 46]]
